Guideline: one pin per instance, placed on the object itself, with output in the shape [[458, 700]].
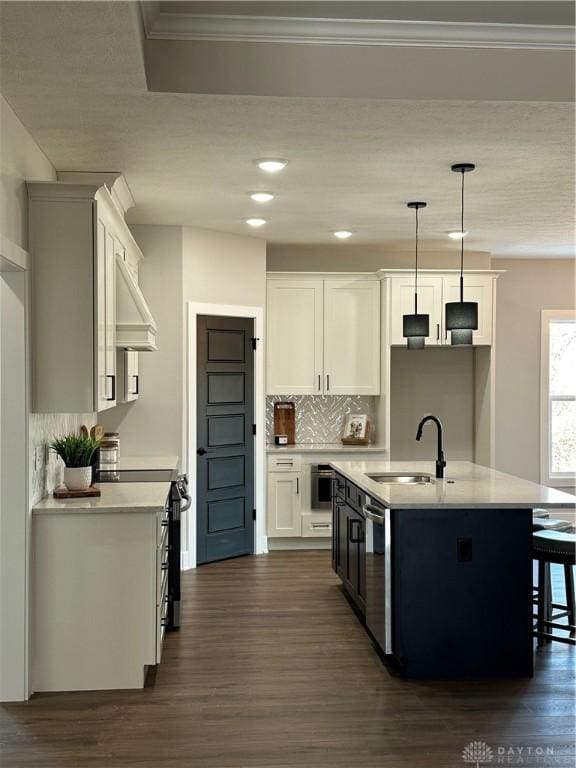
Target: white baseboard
[[297, 543]]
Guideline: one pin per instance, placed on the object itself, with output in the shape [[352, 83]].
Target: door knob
[[201, 451]]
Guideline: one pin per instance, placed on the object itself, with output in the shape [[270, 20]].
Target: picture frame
[[356, 429]]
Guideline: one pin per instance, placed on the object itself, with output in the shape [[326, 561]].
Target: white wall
[[152, 425], [223, 269], [347, 257], [438, 381], [528, 287], [21, 159]]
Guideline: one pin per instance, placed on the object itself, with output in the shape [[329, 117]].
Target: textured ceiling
[[74, 74]]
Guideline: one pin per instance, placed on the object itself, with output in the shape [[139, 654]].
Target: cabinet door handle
[[327, 382], [297, 485], [137, 382], [355, 538], [320, 525], [111, 376], [437, 331], [319, 383]]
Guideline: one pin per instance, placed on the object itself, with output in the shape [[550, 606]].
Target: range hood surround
[[135, 326]]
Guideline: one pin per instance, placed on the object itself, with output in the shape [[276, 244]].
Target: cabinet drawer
[[287, 463], [161, 619], [354, 496], [316, 524], [162, 586]]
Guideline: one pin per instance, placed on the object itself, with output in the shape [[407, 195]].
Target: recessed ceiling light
[[262, 197], [271, 165], [457, 235], [342, 234], [256, 222]]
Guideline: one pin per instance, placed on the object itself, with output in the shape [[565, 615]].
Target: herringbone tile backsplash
[[320, 418]]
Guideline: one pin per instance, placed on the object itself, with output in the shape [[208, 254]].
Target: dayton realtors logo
[[477, 753]]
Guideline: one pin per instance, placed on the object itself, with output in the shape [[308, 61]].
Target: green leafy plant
[[75, 450]]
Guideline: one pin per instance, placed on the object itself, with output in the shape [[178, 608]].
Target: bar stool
[[554, 547], [549, 524]]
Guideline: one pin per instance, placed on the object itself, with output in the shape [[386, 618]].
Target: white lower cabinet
[[284, 504], [98, 592]]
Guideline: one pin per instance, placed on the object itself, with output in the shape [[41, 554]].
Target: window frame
[[555, 479]]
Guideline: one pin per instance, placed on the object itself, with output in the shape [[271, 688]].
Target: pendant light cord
[[416, 270], [462, 242]]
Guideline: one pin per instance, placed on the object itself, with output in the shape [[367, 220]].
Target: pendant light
[[462, 316], [416, 327]]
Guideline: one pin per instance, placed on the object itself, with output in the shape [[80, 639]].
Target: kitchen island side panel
[[462, 587]]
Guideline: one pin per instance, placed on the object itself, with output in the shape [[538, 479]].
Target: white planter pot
[[77, 478]]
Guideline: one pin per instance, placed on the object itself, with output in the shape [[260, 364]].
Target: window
[[558, 391]]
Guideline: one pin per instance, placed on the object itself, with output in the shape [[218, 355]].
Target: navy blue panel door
[[225, 439]]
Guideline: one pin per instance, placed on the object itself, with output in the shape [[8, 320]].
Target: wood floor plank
[[272, 669]]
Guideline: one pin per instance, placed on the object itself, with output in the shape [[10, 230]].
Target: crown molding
[[427, 34], [114, 181]]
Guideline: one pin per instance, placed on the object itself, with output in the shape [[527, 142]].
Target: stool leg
[[570, 597], [549, 600], [542, 599]]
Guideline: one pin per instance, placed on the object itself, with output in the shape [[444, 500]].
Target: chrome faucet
[[440, 460]]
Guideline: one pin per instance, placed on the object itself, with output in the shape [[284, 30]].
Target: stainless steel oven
[[321, 486]]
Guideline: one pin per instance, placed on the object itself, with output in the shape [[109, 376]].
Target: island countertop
[[465, 486]]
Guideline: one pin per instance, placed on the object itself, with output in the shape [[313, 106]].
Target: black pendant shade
[[416, 327], [461, 316]]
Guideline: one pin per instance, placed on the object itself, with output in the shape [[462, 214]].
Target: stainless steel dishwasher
[[378, 575]]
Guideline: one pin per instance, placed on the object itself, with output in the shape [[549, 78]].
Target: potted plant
[[76, 451]]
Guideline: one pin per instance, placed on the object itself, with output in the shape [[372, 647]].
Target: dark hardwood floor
[[271, 669]]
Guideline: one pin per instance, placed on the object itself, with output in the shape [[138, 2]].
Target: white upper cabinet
[[429, 303], [127, 371], [77, 234], [434, 292], [104, 320], [294, 337], [323, 337], [478, 288], [351, 337]]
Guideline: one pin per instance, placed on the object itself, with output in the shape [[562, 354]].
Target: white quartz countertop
[[326, 448], [465, 486], [115, 498], [148, 462]]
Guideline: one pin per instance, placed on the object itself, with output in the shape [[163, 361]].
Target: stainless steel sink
[[390, 477]]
